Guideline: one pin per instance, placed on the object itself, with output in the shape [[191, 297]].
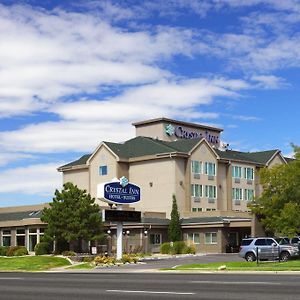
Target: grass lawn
[[291, 265], [32, 263]]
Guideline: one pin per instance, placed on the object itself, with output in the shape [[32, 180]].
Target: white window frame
[[196, 167], [194, 188], [249, 194], [191, 237], [210, 169], [251, 170], [237, 194], [236, 172], [211, 191], [211, 238]]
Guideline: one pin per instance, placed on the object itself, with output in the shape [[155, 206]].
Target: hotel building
[[212, 184]]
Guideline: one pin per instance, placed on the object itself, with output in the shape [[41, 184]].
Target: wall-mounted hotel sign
[[184, 133], [119, 191]]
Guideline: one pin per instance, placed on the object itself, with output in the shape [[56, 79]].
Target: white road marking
[[11, 278], [149, 292], [239, 283]]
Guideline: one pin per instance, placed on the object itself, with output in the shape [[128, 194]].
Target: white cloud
[[269, 81], [41, 179], [48, 55], [6, 158], [86, 123]]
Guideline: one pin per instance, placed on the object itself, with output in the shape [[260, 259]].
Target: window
[[102, 170], [237, 194], [210, 191], [20, 235], [195, 209], [196, 190], [196, 167], [155, 238], [249, 173], [210, 209], [194, 238], [236, 172], [249, 194], [210, 169], [210, 238], [6, 238]]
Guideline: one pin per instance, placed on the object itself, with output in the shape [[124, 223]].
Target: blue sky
[[75, 73]]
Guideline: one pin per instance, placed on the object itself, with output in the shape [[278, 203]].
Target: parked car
[[295, 241], [267, 248]]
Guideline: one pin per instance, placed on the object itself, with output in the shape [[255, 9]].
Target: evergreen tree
[[73, 216], [174, 229]]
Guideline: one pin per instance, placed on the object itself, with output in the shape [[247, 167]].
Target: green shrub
[[88, 259], [16, 251], [189, 249], [129, 258], [165, 248], [21, 251], [42, 248], [69, 253], [178, 247], [3, 250]]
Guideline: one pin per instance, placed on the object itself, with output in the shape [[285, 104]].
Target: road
[[75, 286]]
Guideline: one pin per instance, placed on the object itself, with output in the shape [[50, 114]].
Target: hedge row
[[13, 251], [179, 247]]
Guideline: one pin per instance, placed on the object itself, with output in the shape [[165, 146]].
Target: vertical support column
[[119, 236], [27, 238]]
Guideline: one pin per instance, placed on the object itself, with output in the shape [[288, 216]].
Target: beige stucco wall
[[157, 181], [223, 184], [157, 130], [277, 160], [103, 157], [79, 177], [204, 154], [243, 184]]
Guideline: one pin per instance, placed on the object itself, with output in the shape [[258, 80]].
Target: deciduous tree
[[279, 205]]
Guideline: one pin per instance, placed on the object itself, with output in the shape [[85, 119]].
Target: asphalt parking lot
[[154, 263]]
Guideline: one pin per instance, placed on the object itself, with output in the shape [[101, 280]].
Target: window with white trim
[[210, 169], [236, 172], [6, 238], [193, 237], [249, 194], [249, 173], [196, 167], [196, 190], [237, 194], [211, 191], [211, 238]]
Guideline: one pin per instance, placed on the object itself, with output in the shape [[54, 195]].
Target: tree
[[174, 229], [73, 216], [278, 208]]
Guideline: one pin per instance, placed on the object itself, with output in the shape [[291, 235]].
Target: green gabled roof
[[81, 161], [143, 146], [256, 157], [17, 216]]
